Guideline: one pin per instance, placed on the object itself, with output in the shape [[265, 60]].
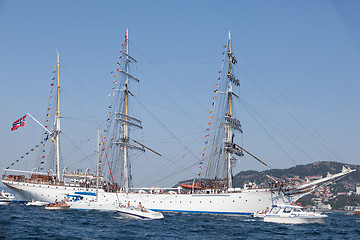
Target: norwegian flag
[[19, 123]]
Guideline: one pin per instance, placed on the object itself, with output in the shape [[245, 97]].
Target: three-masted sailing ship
[[212, 193]]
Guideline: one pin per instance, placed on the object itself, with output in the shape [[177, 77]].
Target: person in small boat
[[140, 207]]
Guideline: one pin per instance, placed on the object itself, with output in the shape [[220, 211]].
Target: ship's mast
[[228, 129], [232, 125], [125, 136], [123, 118], [56, 134], [97, 167]]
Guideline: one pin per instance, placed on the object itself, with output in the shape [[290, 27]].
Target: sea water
[[18, 221]]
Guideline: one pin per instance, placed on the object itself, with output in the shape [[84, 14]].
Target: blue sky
[[305, 53]]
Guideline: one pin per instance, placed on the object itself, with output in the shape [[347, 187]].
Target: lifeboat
[[196, 187]]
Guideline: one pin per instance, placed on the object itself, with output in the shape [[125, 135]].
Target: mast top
[[229, 35], [58, 56]]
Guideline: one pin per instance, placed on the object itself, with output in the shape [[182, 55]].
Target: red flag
[[18, 123]]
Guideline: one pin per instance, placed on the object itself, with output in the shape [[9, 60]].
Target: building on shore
[[324, 207]]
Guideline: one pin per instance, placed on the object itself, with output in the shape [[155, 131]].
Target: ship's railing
[[23, 179]]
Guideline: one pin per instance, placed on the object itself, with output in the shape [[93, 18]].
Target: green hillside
[[318, 168]]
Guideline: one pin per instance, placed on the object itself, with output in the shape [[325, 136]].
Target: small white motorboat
[[139, 213], [36, 203], [292, 214], [258, 215], [6, 198]]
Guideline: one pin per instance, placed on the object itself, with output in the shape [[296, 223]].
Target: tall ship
[[111, 184]]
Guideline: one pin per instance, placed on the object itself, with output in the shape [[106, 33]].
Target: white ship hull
[[94, 205], [245, 202]]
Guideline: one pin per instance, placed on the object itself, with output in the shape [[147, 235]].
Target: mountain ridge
[[300, 171]]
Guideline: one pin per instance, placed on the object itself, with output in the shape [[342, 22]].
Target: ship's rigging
[[223, 148], [121, 121], [224, 127]]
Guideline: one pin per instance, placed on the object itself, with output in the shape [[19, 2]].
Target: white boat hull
[[36, 203], [245, 202], [6, 198], [130, 212], [296, 220], [292, 214]]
